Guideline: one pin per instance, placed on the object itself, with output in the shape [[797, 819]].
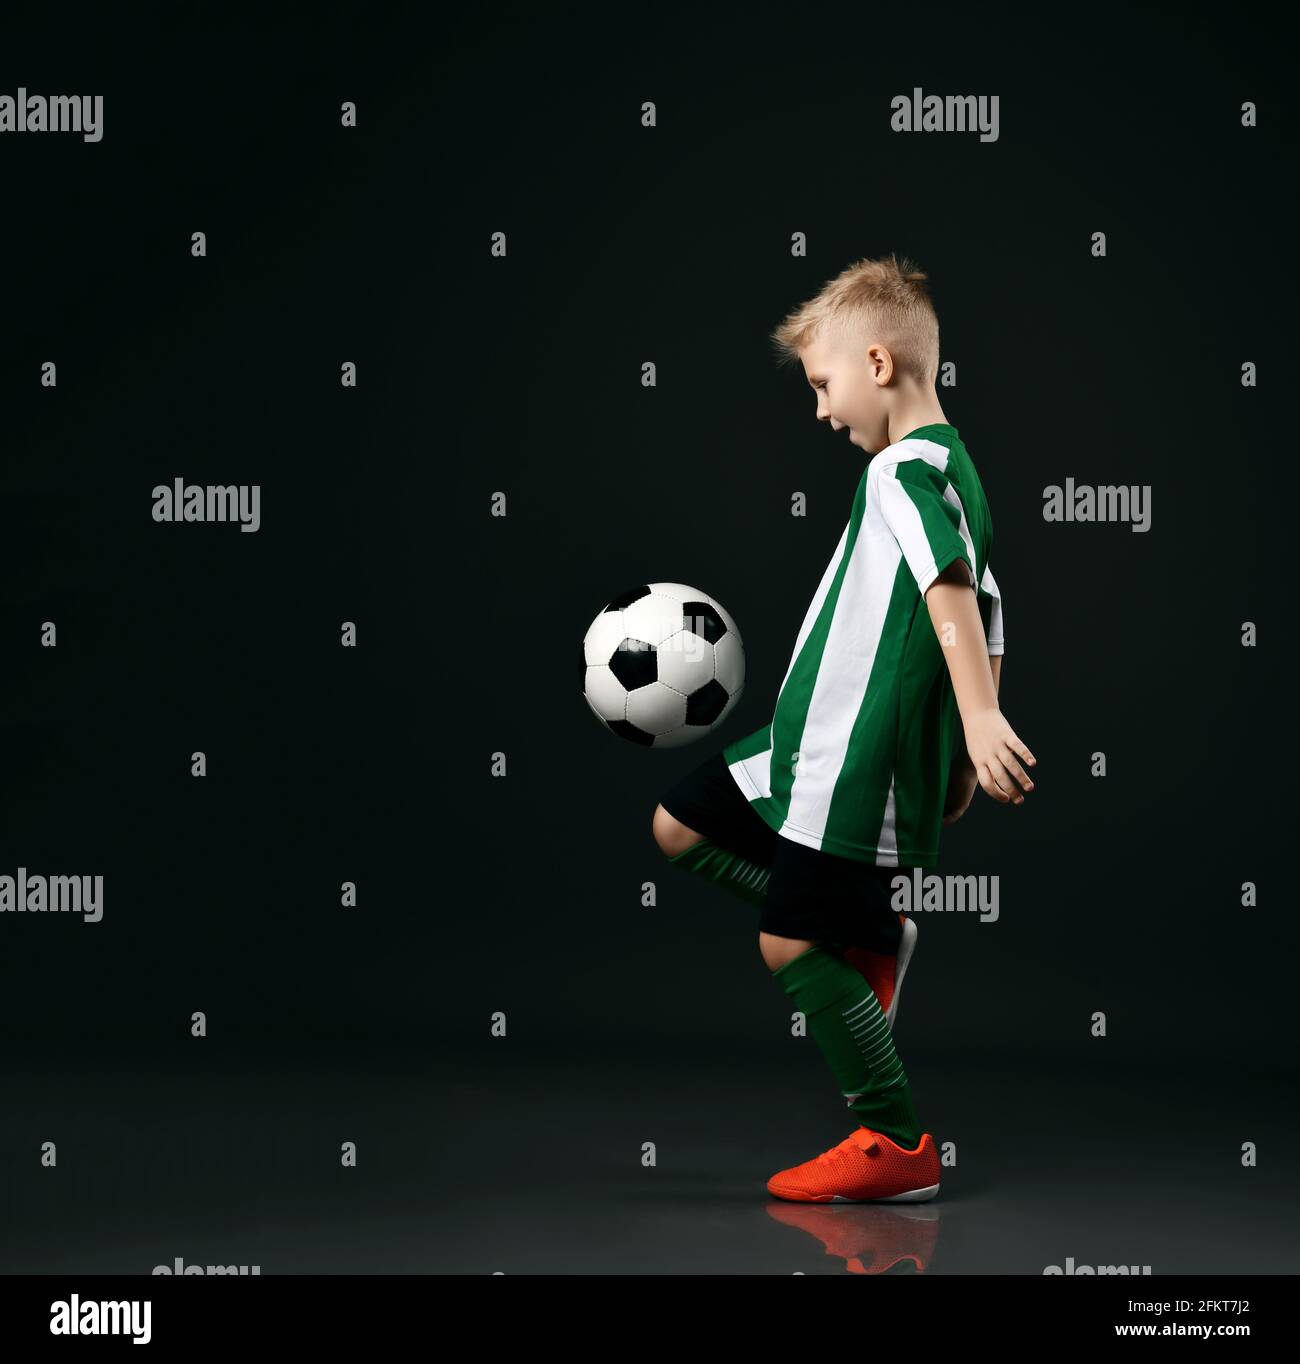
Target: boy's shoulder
[[934, 446]]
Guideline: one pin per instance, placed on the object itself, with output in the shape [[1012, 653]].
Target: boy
[[864, 759]]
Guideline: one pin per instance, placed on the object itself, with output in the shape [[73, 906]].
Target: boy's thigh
[[708, 800], [823, 898]]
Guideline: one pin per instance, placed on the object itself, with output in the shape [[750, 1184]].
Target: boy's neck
[[924, 412]]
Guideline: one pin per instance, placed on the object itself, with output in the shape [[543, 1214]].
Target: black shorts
[[813, 895]]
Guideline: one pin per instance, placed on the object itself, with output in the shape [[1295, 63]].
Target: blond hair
[[881, 300]]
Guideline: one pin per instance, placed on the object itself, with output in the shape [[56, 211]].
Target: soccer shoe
[[866, 1167], [883, 971]]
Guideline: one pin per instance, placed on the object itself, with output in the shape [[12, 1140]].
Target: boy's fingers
[[1004, 780], [1016, 770], [990, 785]]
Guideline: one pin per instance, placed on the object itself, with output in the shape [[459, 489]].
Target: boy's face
[[850, 385]]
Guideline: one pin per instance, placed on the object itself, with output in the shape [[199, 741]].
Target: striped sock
[[846, 1022], [731, 871]]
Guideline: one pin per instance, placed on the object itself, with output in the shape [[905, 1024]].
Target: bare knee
[[778, 952], [671, 834]]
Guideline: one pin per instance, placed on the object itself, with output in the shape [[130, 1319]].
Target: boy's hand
[[962, 781], [995, 753]]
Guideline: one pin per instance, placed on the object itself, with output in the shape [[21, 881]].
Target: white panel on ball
[[605, 694], [729, 664], [652, 619], [685, 661], [656, 708]]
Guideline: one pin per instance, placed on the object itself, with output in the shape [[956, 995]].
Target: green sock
[[846, 1022], [747, 879]]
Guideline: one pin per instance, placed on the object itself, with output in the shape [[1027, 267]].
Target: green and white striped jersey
[[855, 760]]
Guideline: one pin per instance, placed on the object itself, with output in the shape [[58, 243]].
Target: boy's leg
[[801, 922], [880, 936], [778, 952], [747, 879], [704, 824], [698, 853], [845, 1020]]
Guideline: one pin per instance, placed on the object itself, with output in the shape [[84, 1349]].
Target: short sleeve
[[989, 588], [924, 513]]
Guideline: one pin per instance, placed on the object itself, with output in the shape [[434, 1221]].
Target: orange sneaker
[[883, 971], [866, 1167]]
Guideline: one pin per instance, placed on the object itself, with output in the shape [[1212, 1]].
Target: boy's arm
[[960, 758], [995, 750]]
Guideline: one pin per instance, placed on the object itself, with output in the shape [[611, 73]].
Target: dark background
[[522, 375]]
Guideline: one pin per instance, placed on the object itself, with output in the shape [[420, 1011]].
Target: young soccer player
[[813, 815]]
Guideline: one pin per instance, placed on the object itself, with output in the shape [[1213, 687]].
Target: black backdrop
[[521, 375]]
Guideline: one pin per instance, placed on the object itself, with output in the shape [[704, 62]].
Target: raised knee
[[671, 834]]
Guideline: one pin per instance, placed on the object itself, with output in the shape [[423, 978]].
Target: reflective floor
[[527, 1168]]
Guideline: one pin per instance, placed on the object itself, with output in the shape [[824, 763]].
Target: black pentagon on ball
[[627, 598], [626, 730], [701, 619], [635, 664], [705, 705]]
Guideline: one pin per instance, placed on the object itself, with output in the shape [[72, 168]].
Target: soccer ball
[[662, 665]]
